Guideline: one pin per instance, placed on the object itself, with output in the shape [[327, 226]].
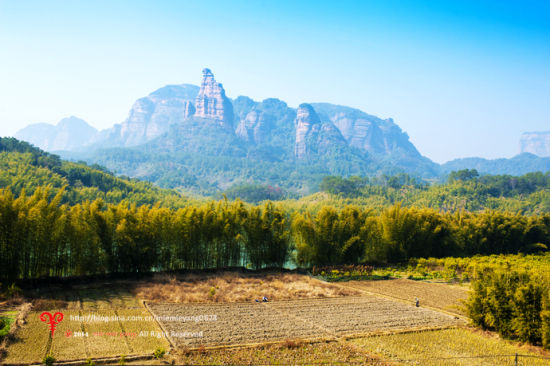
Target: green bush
[[48, 360], [159, 353], [4, 327]]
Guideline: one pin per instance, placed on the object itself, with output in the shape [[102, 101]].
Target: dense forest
[[40, 236], [24, 168], [464, 190], [59, 218]]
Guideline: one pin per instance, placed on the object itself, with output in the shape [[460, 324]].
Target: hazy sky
[[462, 78]]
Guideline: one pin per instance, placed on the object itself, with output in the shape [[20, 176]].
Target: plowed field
[[436, 295], [242, 323]]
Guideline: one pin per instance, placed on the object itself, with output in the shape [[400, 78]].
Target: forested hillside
[[59, 219], [24, 168], [465, 190]]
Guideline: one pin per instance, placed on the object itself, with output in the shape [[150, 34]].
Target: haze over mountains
[[69, 133], [537, 143], [199, 139]]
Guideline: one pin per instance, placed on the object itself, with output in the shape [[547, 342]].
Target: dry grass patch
[[237, 287], [334, 353], [48, 304], [457, 346], [435, 295]]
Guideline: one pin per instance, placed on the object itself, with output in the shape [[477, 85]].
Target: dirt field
[[435, 295], [299, 308], [116, 330], [243, 323], [236, 287]]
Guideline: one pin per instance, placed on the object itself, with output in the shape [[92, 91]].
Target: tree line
[[464, 190], [41, 236]]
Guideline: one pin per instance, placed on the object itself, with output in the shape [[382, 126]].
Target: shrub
[[4, 327], [159, 353], [122, 360], [89, 362], [48, 360]]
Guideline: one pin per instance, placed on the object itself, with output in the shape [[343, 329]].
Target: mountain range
[[198, 139]]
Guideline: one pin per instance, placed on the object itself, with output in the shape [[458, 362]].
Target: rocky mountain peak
[[207, 73], [307, 125], [211, 101], [306, 115]]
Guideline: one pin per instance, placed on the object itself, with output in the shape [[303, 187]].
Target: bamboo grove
[[515, 303], [41, 237]]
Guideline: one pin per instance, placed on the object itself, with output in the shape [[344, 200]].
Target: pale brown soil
[[436, 295], [245, 323]]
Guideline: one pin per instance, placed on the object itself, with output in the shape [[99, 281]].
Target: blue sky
[[462, 78]]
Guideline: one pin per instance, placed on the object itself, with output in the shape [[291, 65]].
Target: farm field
[[436, 295], [313, 318], [100, 338], [97, 322], [458, 346], [309, 320]]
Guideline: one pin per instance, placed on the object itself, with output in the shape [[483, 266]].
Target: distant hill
[[25, 167], [518, 165], [69, 134]]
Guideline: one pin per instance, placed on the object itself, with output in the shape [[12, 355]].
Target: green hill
[[24, 167]]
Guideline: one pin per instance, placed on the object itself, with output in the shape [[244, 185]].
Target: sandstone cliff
[[313, 136], [211, 101], [152, 116]]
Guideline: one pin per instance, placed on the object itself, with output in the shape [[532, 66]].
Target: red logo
[[54, 319]]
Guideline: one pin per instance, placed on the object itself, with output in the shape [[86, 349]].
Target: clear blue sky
[[462, 78]]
